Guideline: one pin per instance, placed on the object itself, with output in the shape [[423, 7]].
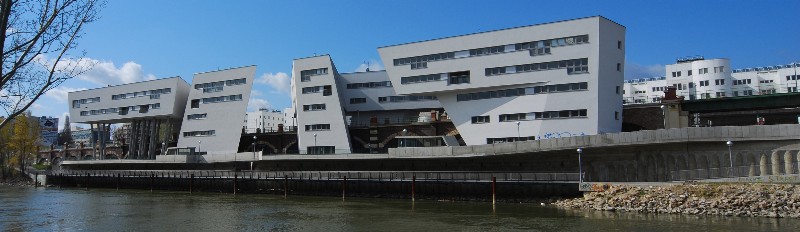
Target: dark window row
[[542, 47], [305, 75], [210, 100], [154, 94], [217, 85], [196, 116], [370, 85], [423, 59], [573, 66], [199, 133], [406, 98], [326, 90], [122, 110], [543, 115], [480, 119], [316, 127], [419, 79], [313, 107], [487, 51], [77, 103], [523, 91], [321, 150], [508, 139], [358, 100]]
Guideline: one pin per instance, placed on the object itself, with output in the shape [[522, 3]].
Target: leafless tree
[[37, 37]]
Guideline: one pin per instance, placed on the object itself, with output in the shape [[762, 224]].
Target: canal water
[[53, 209]]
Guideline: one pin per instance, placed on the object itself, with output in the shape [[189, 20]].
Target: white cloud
[[257, 103], [280, 82], [101, 72], [374, 65], [60, 93], [256, 93], [636, 71]]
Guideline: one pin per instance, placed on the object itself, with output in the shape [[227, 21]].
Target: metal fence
[[734, 172], [337, 175]]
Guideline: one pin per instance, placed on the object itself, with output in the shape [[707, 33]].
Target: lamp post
[[730, 156], [254, 147], [315, 144], [66, 152], [401, 140], [518, 136], [198, 146], [580, 165], [164, 147], [664, 114]]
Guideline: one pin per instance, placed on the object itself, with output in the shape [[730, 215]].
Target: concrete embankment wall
[[394, 186]]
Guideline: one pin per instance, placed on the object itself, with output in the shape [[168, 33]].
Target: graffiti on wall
[[555, 135]]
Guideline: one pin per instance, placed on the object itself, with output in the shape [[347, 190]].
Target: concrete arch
[[750, 159], [669, 167], [641, 167], [661, 167], [714, 165], [610, 173], [702, 166], [691, 163], [680, 166], [630, 171], [652, 167]]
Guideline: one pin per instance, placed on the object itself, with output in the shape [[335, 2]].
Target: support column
[[788, 161], [776, 163], [91, 141], [751, 161], [764, 163]]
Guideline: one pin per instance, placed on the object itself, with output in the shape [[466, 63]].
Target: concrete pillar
[[702, 165], [713, 165], [651, 167], [751, 161], [788, 161], [691, 162], [777, 168], [641, 168], [670, 172], [680, 166], [763, 162]]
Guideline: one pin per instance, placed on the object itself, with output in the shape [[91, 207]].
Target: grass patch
[[41, 166]]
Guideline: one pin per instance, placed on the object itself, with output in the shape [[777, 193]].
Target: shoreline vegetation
[[746, 200]]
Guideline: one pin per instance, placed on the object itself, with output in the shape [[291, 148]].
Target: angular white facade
[[216, 109], [698, 78], [541, 81]]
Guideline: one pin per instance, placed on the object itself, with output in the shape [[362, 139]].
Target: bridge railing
[[731, 172], [336, 175]]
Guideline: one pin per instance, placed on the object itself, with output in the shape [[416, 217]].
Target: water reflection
[[111, 210]]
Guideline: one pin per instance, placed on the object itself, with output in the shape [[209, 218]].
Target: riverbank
[[16, 180], [749, 200]]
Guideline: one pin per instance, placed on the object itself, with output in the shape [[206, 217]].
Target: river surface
[[53, 209]]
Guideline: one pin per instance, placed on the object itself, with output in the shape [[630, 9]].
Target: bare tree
[[36, 37]]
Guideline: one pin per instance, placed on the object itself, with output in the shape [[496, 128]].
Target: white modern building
[[698, 78], [533, 82], [153, 108], [215, 110], [328, 103], [263, 121]]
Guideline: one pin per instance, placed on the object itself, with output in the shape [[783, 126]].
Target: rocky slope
[[754, 200]]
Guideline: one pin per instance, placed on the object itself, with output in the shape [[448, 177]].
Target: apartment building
[[699, 78], [152, 108], [533, 82], [216, 107], [263, 121]]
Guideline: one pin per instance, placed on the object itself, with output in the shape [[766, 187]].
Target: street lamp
[[254, 147], [401, 140], [315, 143], [164, 147], [580, 165], [198, 146], [664, 114], [518, 136], [730, 155]]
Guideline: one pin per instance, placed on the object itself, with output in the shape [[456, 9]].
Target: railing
[[532, 177], [391, 121], [269, 130], [728, 172]]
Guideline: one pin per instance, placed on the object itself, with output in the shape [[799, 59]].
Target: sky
[[145, 39]]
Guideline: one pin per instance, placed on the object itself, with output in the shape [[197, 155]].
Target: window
[[313, 107], [688, 72], [574, 66], [617, 89], [616, 115], [508, 139], [210, 100], [196, 116], [512, 117], [702, 71], [123, 110], [143, 108], [382, 99], [523, 91], [619, 67], [792, 77], [455, 78], [420, 79], [199, 133], [720, 94], [407, 98], [676, 74], [747, 92], [358, 100], [487, 51], [480, 119], [719, 82], [704, 83], [318, 127], [370, 85], [321, 150], [195, 103], [619, 44], [305, 75]]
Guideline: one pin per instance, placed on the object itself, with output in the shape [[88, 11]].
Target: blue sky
[[145, 39]]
